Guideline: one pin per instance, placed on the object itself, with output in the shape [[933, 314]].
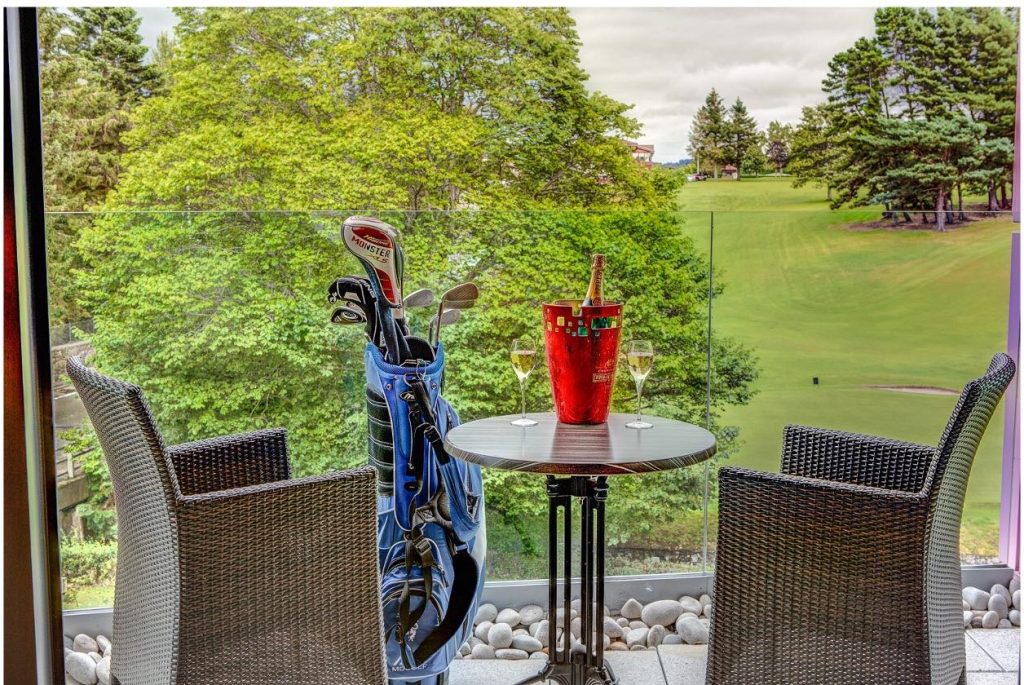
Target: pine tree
[[816, 154], [902, 108], [110, 37], [82, 127], [709, 133], [741, 135]]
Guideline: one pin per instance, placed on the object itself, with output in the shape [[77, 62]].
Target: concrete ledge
[[517, 593]]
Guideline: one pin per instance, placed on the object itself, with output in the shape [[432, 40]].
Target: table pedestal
[[567, 666]]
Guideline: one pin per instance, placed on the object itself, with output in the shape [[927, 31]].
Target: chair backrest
[[147, 588], [947, 482]]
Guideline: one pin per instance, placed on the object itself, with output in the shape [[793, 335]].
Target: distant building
[[641, 153], [729, 171]]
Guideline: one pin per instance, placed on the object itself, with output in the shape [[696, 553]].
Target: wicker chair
[[228, 571], [845, 567]]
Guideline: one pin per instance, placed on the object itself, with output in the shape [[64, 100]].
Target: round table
[[577, 461]]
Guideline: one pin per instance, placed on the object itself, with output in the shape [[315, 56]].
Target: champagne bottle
[[595, 292]]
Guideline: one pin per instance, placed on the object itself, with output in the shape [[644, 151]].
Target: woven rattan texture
[[146, 593], [229, 572], [862, 533]]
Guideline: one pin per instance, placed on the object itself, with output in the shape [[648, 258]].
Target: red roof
[[639, 147]]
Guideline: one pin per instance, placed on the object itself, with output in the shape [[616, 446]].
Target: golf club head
[[375, 243], [463, 291], [459, 304], [350, 288], [424, 297], [465, 294], [448, 317], [348, 315]]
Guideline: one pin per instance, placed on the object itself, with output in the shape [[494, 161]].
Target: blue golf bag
[[430, 519]]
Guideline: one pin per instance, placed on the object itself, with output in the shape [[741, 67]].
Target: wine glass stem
[[522, 390], [639, 390]]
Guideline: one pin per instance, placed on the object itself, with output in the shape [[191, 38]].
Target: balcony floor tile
[[1003, 645], [992, 659]]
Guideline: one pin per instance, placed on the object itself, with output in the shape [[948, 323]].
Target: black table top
[[608, 449]]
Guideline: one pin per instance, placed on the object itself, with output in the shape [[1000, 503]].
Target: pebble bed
[[86, 660], [998, 608], [523, 633]]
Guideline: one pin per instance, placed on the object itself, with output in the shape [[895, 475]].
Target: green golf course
[[839, 296]]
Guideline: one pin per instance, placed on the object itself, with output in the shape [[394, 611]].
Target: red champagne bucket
[[583, 353]]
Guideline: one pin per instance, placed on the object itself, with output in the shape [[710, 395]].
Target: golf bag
[[430, 516]]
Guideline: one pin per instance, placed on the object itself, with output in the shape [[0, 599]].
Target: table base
[[565, 666], [576, 672]]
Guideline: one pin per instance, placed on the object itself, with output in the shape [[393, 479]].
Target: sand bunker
[[916, 389]]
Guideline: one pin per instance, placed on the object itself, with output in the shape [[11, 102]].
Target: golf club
[[462, 296], [447, 318], [424, 297], [348, 315], [373, 243], [355, 291]]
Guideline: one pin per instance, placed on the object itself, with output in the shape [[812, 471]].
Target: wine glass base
[[524, 422], [639, 425]]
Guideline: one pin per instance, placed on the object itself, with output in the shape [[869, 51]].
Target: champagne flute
[[524, 355], [640, 359]]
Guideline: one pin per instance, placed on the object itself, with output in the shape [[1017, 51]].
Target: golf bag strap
[[417, 545], [461, 597], [422, 413]]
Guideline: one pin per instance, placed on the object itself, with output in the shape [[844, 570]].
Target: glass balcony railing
[[759, 319]]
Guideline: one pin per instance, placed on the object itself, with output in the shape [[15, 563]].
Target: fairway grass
[[814, 293]]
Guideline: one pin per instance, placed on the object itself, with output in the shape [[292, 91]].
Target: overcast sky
[[664, 61]]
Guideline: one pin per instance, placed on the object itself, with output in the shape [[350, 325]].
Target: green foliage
[[709, 133], [816, 154], [91, 61], [742, 141], [326, 108], [109, 37], [220, 315], [85, 562], [778, 142], [918, 111]]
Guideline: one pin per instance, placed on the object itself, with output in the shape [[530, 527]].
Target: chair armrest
[[289, 564], [855, 459], [805, 563], [232, 461]]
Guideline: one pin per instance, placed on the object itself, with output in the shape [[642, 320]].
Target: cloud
[[664, 61]]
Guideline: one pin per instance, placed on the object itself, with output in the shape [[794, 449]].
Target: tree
[[109, 36], [742, 135], [83, 122], [817, 154], [921, 158], [221, 313], [348, 107], [900, 104], [755, 161], [163, 53], [977, 62], [709, 133], [779, 139]]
